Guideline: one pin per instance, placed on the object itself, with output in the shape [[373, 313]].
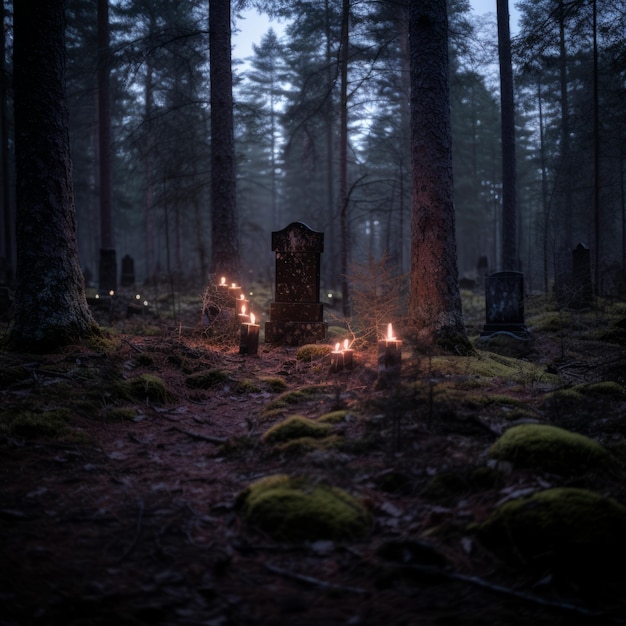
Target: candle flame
[[243, 309], [389, 331], [346, 344], [242, 297], [336, 347], [252, 318], [223, 281], [233, 285]]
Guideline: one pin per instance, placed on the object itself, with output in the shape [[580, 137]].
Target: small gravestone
[[504, 300], [296, 315], [582, 287], [128, 271]]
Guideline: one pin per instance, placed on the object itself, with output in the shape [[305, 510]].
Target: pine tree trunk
[[435, 302], [224, 234], [50, 303]]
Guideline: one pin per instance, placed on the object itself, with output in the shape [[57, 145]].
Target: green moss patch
[[36, 425], [207, 379], [312, 351], [296, 396], [302, 445], [550, 448], [334, 417], [146, 388], [275, 384], [295, 509], [573, 531], [294, 427]]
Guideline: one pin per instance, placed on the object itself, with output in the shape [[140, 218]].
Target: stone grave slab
[[504, 302], [296, 315]]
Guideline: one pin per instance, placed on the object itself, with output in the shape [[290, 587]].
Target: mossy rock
[[295, 427], [605, 389], [574, 532], [147, 387], [312, 351], [549, 448], [207, 379], [296, 509]]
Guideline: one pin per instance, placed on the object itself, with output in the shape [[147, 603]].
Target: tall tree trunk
[[566, 242], [224, 233], [435, 301], [108, 264], [50, 304], [331, 245], [596, 152], [5, 170], [509, 174], [343, 159]]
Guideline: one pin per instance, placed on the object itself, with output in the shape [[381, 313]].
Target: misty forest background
[[569, 66]]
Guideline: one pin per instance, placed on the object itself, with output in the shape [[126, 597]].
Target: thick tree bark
[[435, 302], [225, 233], [50, 303], [343, 160]]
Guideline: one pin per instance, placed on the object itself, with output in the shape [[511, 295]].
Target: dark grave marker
[[504, 300], [296, 315], [128, 271], [582, 288]]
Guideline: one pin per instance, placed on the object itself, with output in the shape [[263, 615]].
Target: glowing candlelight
[[348, 355], [390, 336], [336, 358], [243, 309], [223, 281], [389, 359], [249, 337]]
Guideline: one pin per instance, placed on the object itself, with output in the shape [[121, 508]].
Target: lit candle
[[348, 354], [222, 283], [243, 316], [249, 337], [234, 291], [242, 304], [389, 358], [336, 359]]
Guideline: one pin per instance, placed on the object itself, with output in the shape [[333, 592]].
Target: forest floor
[[119, 506]]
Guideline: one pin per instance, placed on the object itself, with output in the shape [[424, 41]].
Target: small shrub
[[295, 427]]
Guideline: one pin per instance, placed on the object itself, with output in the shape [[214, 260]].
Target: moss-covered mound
[[207, 379], [574, 532], [295, 427], [548, 448], [146, 388], [295, 509]]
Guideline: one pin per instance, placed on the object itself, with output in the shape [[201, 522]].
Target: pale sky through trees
[[250, 30]]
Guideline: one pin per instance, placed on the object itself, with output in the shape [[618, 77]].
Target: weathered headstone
[[128, 271], [296, 315], [582, 287], [504, 300]]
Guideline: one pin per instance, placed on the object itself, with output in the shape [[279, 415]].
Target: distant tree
[[50, 304], [434, 298], [224, 233], [509, 177]]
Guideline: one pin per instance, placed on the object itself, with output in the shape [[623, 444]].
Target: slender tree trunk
[[331, 246], [566, 241], [596, 152], [224, 233], [435, 301], [343, 160], [509, 175], [50, 304], [108, 263], [5, 170]]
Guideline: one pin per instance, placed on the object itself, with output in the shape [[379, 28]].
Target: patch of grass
[[293, 508], [302, 445], [119, 414], [334, 417], [275, 384], [247, 385]]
